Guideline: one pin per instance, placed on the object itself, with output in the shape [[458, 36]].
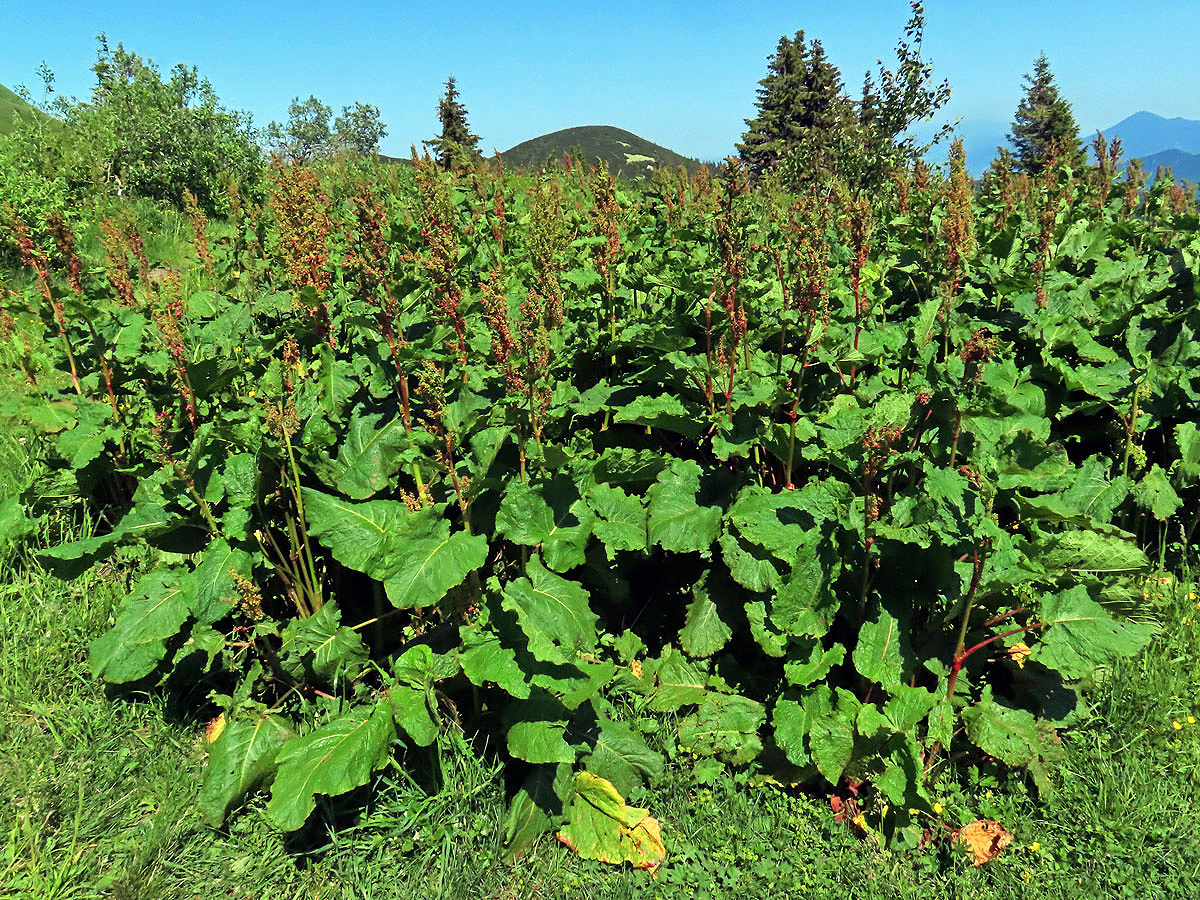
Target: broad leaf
[[429, 564], [725, 726], [877, 654], [1010, 735], [242, 758], [620, 755], [322, 644], [1083, 636], [600, 825], [677, 520], [336, 758], [553, 612], [368, 456], [705, 631]]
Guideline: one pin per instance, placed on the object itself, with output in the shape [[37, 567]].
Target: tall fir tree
[[802, 114], [455, 145], [1044, 127]]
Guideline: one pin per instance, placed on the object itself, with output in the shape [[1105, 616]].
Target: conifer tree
[[1044, 127], [802, 112], [455, 145]]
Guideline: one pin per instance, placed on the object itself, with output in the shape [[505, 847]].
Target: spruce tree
[[802, 112], [456, 144], [1044, 127]]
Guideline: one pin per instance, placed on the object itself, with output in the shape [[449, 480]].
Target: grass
[[13, 109], [101, 791]]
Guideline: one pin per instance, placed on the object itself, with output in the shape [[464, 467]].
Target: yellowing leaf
[[214, 728], [604, 827], [985, 838]]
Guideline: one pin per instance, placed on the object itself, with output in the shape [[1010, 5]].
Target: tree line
[[146, 134]]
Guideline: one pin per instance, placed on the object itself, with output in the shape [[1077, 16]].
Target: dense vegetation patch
[[848, 486]]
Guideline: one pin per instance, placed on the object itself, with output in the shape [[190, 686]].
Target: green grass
[[13, 109], [100, 792]]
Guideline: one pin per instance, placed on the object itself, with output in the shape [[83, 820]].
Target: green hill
[[13, 109], [625, 153]]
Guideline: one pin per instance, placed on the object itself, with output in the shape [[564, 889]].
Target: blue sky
[[680, 74]]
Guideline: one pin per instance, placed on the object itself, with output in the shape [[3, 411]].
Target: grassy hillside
[[625, 153], [14, 109]]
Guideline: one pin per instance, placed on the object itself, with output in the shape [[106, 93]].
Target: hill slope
[[14, 109], [625, 153]]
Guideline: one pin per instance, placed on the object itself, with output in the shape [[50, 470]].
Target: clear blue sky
[[680, 74]]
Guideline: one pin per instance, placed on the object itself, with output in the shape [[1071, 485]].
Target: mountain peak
[[624, 152]]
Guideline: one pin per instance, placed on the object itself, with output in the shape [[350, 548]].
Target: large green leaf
[[1155, 494], [413, 705], [336, 758], [429, 564], [553, 612], [362, 536], [551, 516], [155, 612], [536, 808], [622, 519], [725, 726], [805, 671], [149, 617], [877, 655], [677, 520], [242, 758], [1088, 551], [678, 682], [1083, 636], [777, 522], [705, 629], [368, 455], [74, 557], [620, 755], [323, 645], [485, 659], [540, 742], [793, 718], [805, 603], [1010, 735], [831, 741]]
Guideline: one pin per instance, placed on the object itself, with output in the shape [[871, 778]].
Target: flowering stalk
[[35, 259], [859, 223], [200, 231], [116, 262], [432, 388], [605, 215], [729, 276], [369, 259], [165, 456], [436, 216], [167, 311], [958, 230], [304, 227]]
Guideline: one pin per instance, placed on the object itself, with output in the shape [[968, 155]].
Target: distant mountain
[[13, 109], [625, 153], [1144, 134], [1184, 166]]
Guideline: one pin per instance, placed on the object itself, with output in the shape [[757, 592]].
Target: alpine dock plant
[[844, 496]]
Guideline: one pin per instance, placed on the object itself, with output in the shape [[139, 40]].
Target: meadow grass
[[100, 790]]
